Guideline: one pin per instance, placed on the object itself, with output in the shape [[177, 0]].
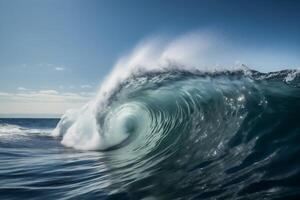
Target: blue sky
[[55, 53]]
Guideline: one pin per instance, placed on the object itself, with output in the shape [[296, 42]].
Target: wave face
[[227, 134]]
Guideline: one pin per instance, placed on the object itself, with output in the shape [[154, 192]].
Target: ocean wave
[[163, 126], [218, 127]]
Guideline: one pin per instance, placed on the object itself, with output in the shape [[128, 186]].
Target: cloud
[[4, 94], [86, 86], [51, 92], [22, 88], [59, 68], [41, 102], [47, 96]]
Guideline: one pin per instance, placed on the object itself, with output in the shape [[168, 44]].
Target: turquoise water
[[171, 135]]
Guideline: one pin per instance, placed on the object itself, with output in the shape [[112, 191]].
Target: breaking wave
[[219, 129]]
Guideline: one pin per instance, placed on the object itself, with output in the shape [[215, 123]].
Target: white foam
[[292, 75], [14, 130]]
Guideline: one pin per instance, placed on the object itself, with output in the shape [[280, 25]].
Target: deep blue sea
[[176, 135]]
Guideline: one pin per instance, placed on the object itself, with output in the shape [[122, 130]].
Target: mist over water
[[166, 124]]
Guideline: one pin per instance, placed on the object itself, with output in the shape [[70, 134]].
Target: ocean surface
[[163, 135]]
